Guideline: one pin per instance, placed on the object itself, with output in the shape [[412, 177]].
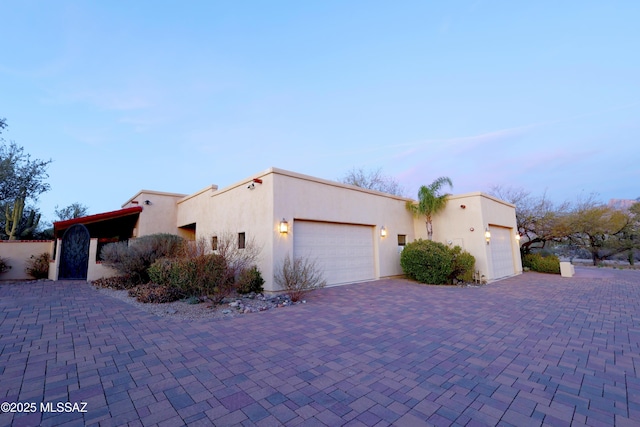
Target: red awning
[[105, 218]]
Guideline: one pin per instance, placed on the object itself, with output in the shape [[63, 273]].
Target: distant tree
[[537, 218], [601, 230], [21, 179], [74, 210], [430, 202], [372, 180]]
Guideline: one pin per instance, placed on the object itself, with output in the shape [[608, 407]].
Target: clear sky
[[176, 96]]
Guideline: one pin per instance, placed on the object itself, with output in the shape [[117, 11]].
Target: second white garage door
[[344, 252], [501, 252]]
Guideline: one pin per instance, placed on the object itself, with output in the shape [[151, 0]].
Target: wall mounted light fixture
[[383, 232], [147, 202], [283, 227], [463, 206], [251, 186], [487, 235], [517, 236]]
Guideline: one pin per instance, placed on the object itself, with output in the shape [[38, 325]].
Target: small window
[[402, 239], [214, 243], [241, 241]]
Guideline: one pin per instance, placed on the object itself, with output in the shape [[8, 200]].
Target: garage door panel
[[344, 252], [501, 252]]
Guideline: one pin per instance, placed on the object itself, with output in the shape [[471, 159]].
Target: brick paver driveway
[[530, 350]]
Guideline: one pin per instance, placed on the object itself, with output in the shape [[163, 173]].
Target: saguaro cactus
[[14, 226], [13, 217]]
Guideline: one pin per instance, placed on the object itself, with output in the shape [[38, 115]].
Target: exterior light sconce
[[517, 236], [147, 202], [283, 227], [383, 232], [487, 235], [463, 206]]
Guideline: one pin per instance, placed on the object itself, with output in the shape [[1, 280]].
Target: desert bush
[[197, 275], [114, 282], [163, 272], [542, 264], [237, 259], [250, 280], [298, 276], [153, 293], [4, 265], [38, 266], [462, 266], [133, 259], [427, 262]]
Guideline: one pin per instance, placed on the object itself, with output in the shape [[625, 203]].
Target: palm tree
[[430, 202]]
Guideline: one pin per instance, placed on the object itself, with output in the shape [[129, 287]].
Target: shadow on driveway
[[529, 350]]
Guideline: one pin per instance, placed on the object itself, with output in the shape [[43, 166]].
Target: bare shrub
[[152, 293], [4, 265], [38, 266], [299, 276], [237, 259], [113, 282]]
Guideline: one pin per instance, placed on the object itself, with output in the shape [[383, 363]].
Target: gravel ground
[[237, 305]]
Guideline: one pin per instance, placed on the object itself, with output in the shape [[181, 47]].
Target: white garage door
[[501, 252], [344, 252]]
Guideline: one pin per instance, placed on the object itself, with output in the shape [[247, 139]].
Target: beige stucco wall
[[282, 194], [302, 197], [17, 254], [232, 210], [159, 212], [466, 226], [96, 269], [257, 212], [193, 208]]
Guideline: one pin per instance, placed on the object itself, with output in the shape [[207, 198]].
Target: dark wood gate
[[74, 253]]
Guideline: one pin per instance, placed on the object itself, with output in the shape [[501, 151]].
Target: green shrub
[[542, 264], [462, 266], [250, 280], [197, 276], [133, 259], [38, 266], [427, 262], [162, 272]]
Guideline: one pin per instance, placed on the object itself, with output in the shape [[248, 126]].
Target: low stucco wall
[[95, 269], [18, 252]]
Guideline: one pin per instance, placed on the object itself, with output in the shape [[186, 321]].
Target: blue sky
[[172, 96]]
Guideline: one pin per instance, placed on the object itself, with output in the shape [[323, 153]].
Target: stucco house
[[354, 234]]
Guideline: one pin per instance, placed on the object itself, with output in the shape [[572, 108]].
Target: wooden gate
[[74, 253]]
